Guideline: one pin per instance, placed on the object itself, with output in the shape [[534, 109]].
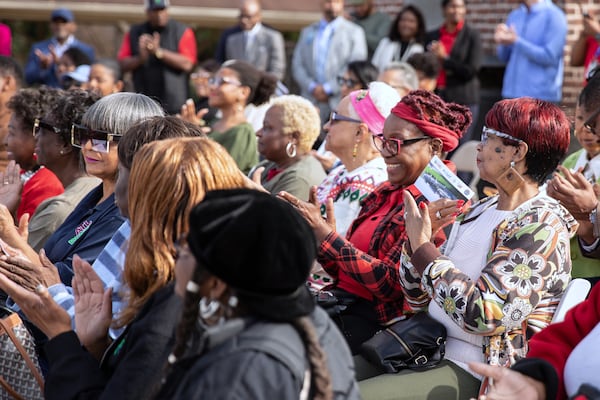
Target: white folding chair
[[576, 292]]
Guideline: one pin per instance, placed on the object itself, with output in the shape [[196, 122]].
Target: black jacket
[[461, 66], [260, 360], [132, 365]]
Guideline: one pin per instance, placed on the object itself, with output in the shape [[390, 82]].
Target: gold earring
[[510, 180], [354, 151]]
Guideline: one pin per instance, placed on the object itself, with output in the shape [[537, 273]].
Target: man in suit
[[160, 53], [322, 53], [41, 63], [256, 43]]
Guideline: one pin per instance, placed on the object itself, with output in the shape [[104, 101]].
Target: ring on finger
[[438, 214]]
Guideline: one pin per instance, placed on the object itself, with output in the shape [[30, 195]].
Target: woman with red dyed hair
[[505, 264], [365, 264]]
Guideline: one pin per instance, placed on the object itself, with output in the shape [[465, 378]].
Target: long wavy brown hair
[[168, 178]]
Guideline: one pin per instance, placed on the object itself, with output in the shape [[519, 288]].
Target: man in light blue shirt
[[532, 44]]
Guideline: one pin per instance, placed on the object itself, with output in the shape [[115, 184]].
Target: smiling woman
[[365, 264]]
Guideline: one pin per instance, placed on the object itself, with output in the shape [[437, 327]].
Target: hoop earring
[[290, 150]]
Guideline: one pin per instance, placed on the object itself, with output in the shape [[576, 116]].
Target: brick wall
[[486, 14]]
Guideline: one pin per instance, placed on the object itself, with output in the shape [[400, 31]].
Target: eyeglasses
[[221, 80], [38, 125], [347, 81], [334, 117], [200, 76], [588, 122], [100, 140], [489, 131], [392, 145]]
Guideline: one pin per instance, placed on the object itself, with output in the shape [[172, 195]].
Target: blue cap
[[62, 13]]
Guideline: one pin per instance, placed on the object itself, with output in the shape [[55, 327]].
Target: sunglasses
[[222, 80], [38, 125], [100, 140], [489, 131], [347, 81], [334, 117], [588, 122], [392, 145]]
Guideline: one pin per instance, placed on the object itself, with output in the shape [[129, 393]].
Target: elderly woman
[[350, 128], [180, 171], [54, 151], [270, 340], [506, 263], [290, 128], [23, 190], [365, 264]]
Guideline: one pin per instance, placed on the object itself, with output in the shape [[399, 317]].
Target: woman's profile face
[[408, 24], [587, 140], [350, 83], [405, 167], [48, 145], [341, 135], [225, 88], [20, 143], [271, 140], [100, 164]]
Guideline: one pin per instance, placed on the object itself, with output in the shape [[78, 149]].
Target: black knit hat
[[260, 246]]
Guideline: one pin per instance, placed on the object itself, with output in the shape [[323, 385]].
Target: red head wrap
[[449, 137]]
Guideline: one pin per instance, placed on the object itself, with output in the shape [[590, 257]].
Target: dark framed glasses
[[588, 122], [392, 145], [38, 125], [100, 140], [347, 81], [334, 117]]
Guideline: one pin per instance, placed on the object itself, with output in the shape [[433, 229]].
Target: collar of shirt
[[59, 49]]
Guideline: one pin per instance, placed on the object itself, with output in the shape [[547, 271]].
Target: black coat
[[132, 365], [461, 66]]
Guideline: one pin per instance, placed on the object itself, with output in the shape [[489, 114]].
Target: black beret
[[260, 246]]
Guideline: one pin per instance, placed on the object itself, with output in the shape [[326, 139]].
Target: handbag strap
[[6, 386], [433, 360], [15, 320]]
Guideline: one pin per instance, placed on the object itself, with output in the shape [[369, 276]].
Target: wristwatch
[[159, 53], [593, 216]]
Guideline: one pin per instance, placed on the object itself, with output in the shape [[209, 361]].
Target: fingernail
[[422, 205], [460, 203]]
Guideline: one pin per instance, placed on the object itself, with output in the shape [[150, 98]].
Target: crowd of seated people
[[202, 249]]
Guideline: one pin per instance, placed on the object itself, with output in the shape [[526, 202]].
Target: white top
[[580, 367], [469, 254], [388, 51], [591, 169]]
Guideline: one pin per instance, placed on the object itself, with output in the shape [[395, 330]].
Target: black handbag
[[410, 343]]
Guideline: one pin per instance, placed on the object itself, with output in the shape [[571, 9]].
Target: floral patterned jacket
[[528, 267]]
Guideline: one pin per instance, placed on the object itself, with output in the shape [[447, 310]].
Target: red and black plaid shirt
[[378, 269]]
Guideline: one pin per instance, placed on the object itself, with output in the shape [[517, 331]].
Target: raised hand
[[93, 307], [11, 186], [311, 211], [417, 221]]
